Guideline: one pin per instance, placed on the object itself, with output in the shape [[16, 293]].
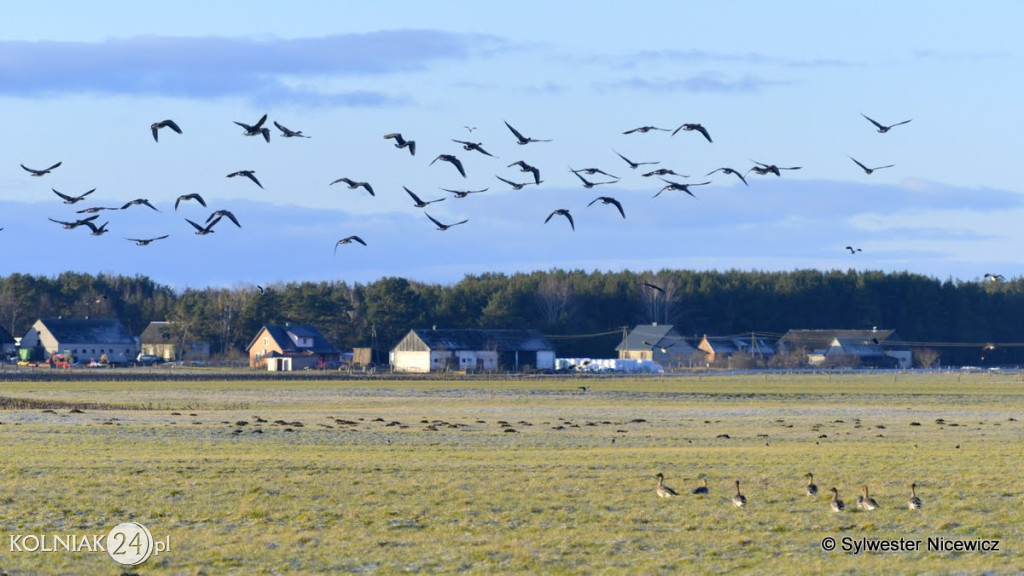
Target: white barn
[[81, 338], [432, 350]]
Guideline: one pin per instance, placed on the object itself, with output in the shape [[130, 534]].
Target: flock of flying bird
[[864, 501], [587, 177]]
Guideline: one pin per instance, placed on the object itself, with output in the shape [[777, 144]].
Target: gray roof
[[280, 335], [821, 339], [160, 333], [648, 336], [98, 330], [483, 339]]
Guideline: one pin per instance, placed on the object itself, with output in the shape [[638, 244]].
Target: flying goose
[[664, 349], [96, 209], [416, 199], [474, 146], [42, 172], [73, 199], [914, 503], [402, 142], [763, 169], [98, 230], [464, 193], [882, 129], [443, 227], [250, 174], [836, 504], [286, 133], [352, 184], [186, 197], [811, 489], [520, 138], [256, 129], [587, 183], [348, 240], [608, 200], [138, 202], [146, 241], [994, 277], [864, 501], [739, 500], [645, 130], [562, 212], [223, 213], [664, 491], [696, 127], [204, 230], [514, 185], [727, 170], [634, 165], [524, 167], [664, 172], [679, 186], [156, 126], [450, 158], [592, 171], [76, 223], [867, 170], [853, 250]]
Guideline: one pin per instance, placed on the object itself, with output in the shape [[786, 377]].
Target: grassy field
[[533, 477]]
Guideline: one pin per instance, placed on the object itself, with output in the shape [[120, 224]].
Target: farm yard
[[547, 476]]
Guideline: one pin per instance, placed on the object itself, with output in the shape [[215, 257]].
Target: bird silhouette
[[286, 133], [450, 158], [74, 224], [634, 165], [763, 169], [514, 185], [402, 142], [562, 212], [524, 167], [608, 200], [138, 202], [882, 129], [98, 230], [994, 277], [727, 170], [416, 199], [348, 240], [204, 230], [654, 287], [867, 170], [156, 126], [520, 138], [665, 172], [464, 193], [256, 129], [645, 130], [352, 184], [73, 199], [678, 186], [852, 249], [477, 146], [146, 241], [223, 213], [443, 227], [592, 171], [587, 183], [250, 174], [186, 197], [664, 349], [42, 172], [96, 209], [697, 127]]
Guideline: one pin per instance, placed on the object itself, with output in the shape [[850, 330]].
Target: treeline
[[582, 312]]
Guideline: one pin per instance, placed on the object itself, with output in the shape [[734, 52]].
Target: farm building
[[657, 342], [170, 341], [432, 350], [876, 348], [84, 339], [735, 352], [296, 347]]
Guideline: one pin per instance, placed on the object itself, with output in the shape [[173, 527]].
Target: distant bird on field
[[592, 171], [867, 170], [443, 227], [852, 249], [474, 146], [186, 197], [514, 185], [42, 172], [864, 501], [146, 241], [348, 240], [138, 202], [679, 186], [763, 169], [416, 199], [352, 184], [696, 127], [882, 129], [250, 174], [664, 172], [811, 489], [74, 224], [223, 213], [204, 230], [608, 200], [562, 212], [156, 126], [914, 503], [524, 167], [664, 491], [73, 199], [520, 138], [463, 193], [645, 130], [402, 142], [703, 488], [256, 129], [727, 170], [634, 165], [836, 504], [286, 133], [450, 158], [98, 230], [739, 500]]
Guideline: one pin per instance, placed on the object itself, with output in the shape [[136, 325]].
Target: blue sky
[[782, 84]]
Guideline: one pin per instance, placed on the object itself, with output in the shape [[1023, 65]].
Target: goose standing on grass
[[664, 491], [837, 505], [739, 500], [703, 488], [811, 489], [865, 501], [914, 503]]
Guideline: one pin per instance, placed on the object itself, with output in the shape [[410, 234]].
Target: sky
[[785, 84]]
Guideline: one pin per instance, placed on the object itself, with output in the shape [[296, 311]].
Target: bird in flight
[[156, 126], [204, 230], [73, 199], [608, 200], [138, 202], [852, 249], [679, 186], [520, 138], [286, 133], [562, 212], [75, 224], [443, 227], [592, 171], [185, 197], [524, 167], [882, 129], [867, 170], [645, 130], [994, 277], [250, 174], [463, 193], [452, 160], [256, 129], [96, 209], [416, 199], [98, 230], [40, 172], [763, 169], [353, 184], [665, 172], [146, 241], [474, 146], [587, 183], [402, 142], [654, 287], [634, 165], [697, 127], [223, 213], [726, 170], [514, 185], [348, 240], [664, 349]]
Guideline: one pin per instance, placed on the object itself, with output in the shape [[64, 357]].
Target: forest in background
[[583, 313]]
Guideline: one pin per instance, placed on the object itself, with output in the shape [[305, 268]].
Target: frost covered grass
[[518, 476]]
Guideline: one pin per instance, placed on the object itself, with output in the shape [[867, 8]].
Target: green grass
[[428, 480]]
